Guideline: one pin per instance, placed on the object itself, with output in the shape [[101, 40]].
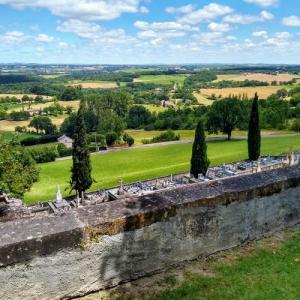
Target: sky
[[150, 31]]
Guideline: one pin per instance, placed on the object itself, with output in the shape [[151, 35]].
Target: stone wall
[[100, 246]]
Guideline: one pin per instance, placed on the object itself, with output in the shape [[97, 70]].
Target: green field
[[162, 79], [154, 108], [144, 163]]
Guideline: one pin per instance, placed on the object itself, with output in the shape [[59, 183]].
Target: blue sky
[[150, 31]]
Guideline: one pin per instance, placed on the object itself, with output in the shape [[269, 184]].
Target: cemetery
[[14, 208]]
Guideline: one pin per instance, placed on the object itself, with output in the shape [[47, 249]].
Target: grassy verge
[[144, 163], [267, 273]]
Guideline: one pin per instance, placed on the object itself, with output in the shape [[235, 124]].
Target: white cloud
[[263, 3], [214, 38], [262, 34], [144, 10], [82, 9], [63, 45], [248, 19], [163, 30], [12, 37], [44, 38], [93, 32], [206, 14], [219, 27], [180, 10], [291, 21]]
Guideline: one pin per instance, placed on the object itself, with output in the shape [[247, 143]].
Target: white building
[[65, 140]]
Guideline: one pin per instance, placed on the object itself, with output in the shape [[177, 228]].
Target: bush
[[100, 138], [295, 125], [44, 139], [43, 154], [111, 138], [63, 151], [130, 141], [167, 136]]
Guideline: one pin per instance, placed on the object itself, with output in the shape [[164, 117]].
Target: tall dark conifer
[[254, 138], [81, 178], [199, 161]]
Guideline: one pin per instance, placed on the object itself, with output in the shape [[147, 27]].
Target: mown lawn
[[269, 274], [144, 163]]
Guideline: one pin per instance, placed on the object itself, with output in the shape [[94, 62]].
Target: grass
[[161, 79], [266, 273], [144, 163]]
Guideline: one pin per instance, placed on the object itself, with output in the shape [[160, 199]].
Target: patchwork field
[[161, 79], [144, 163], [95, 84], [258, 76], [263, 91]]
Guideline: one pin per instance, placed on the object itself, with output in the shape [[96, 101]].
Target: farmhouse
[[65, 140]]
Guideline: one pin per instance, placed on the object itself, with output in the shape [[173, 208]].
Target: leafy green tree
[[18, 170], [224, 115], [42, 124], [254, 137], [138, 117], [81, 178], [199, 161]]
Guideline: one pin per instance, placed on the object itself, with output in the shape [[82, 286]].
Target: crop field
[[7, 125], [258, 76], [202, 99], [144, 163], [161, 79], [74, 104], [95, 84], [263, 91]]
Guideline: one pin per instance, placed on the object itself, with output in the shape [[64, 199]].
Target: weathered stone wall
[[100, 246]]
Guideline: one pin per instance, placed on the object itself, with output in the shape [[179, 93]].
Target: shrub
[[44, 139], [63, 151], [130, 141], [111, 138], [43, 154], [163, 137], [166, 137]]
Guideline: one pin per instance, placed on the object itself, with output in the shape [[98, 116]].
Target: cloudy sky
[[150, 31]]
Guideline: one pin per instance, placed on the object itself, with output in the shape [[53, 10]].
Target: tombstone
[[58, 194], [121, 188], [258, 166]]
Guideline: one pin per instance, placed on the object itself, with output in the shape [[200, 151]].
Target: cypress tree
[[81, 178], [199, 161], [254, 138]]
